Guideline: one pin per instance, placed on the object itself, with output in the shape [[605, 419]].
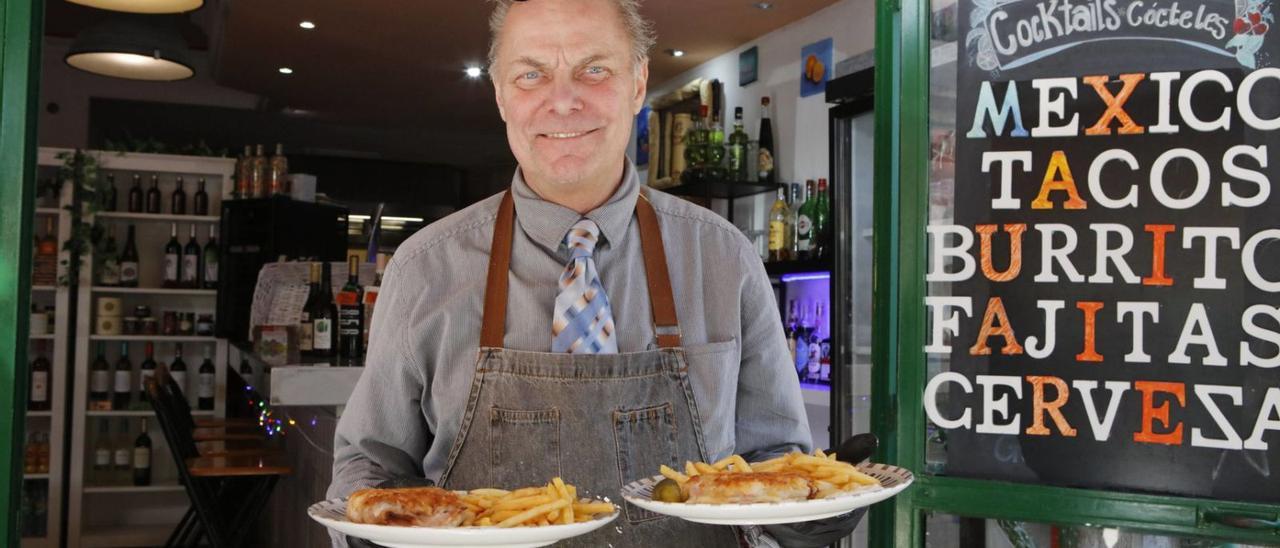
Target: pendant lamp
[[136, 47], [143, 6]]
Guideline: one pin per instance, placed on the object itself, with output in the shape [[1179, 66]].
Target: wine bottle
[[200, 201], [102, 454], [371, 295], [45, 267], [109, 271], [804, 221], [135, 195], [100, 381], [38, 397], [122, 386], [153, 195], [766, 156], [142, 457], [121, 455], [191, 255], [109, 194], [306, 327], [147, 371], [821, 223], [173, 259], [178, 369], [738, 146], [129, 266], [793, 222], [206, 383], [351, 314], [178, 200], [324, 316], [211, 260]]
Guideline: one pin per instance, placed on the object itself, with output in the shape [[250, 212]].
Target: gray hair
[[639, 29]]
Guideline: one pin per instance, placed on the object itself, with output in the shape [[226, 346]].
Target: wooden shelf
[[158, 217], [153, 338], [162, 488], [155, 291], [142, 413]]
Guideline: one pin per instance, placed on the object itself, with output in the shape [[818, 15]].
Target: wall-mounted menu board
[[1104, 281]]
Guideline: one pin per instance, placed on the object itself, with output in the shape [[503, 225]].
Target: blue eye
[[531, 75], [595, 70]]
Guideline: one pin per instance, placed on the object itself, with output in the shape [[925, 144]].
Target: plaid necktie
[[583, 322]]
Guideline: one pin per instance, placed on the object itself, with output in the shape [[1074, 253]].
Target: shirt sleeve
[[383, 434], [771, 418]]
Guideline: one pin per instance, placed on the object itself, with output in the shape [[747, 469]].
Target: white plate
[[332, 513], [892, 480]]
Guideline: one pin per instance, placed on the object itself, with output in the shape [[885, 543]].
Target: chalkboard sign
[[1104, 292]]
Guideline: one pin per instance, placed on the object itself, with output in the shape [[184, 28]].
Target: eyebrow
[[534, 63]]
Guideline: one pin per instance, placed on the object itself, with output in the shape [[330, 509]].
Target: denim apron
[[598, 421]]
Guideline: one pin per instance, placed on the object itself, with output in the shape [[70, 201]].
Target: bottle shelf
[[141, 413], [155, 291], [723, 190], [816, 266], [44, 288], [158, 217], [153, 338], [40, 476], [48, 211], [161, 488], [31, 414]]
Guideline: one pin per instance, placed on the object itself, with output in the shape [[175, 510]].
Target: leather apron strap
[[662, 302]]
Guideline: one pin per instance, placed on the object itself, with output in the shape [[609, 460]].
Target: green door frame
[[20, 35], [901, 214]]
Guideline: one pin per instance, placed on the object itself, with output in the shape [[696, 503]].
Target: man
[[577, 325]]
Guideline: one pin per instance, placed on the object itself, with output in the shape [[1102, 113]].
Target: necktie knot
[[581, 239]]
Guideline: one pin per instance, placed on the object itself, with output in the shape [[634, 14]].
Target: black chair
[[228, 489]]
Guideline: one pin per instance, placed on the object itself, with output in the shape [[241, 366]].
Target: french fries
[[556, 503], [827, 476]]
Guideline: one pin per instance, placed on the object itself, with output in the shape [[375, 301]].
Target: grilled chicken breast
[[414, 506], [748, 488]]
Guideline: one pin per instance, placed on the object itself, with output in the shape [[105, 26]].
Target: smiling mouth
[[566, 135]]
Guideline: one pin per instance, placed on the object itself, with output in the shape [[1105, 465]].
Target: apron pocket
[[646, 439], [524, 446]]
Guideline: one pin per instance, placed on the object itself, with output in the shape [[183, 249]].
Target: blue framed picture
[[748, 66], [815, 67], [642, 137]]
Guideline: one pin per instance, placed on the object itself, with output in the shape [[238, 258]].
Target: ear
[[497, 98], [642, 87]]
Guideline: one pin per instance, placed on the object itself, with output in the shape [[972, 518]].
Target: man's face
[[567, 89]]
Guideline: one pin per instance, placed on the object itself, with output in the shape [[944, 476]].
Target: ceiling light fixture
[[135, 47], [307, 25], [764, 5], [675, 52], [286, 70], [143, 6], [474, 72]]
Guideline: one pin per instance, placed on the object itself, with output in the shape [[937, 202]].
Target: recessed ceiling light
[[675, 52], [286, 70], [307, 25], [473, 72], [764, 5]]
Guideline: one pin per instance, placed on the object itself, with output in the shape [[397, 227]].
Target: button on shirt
[[406, 410]]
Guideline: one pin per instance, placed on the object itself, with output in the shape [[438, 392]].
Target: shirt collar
[[547, 222]]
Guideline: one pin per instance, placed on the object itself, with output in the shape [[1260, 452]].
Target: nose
[[565, 96]]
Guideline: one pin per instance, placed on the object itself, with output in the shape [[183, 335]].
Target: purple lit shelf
[[797, 270]]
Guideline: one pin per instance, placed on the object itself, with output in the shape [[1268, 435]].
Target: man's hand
[[813, 534]]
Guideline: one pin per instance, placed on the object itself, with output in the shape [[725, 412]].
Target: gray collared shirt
[[407, 408]]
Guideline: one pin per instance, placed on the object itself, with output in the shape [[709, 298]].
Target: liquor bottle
[[178, 200], [142, 457], [129, 261], [778, 248], [109, 271], [173, 259], [766, 157], [815, 346], [821, 223], [38, 397], [278, 172], [715, 146], [153, 195], [351, 313], [109, 194], [791, 329], [122, 384], [135, 195], [100, 381], [121, 455], [802, 344], [695, 143], [243, 163], [205, 383], [102, 454], [45, 267], [371, 294], [306, 327], [804, 222], [211, 260], [191, 255], [324, 316], [178, 369], [200, 201], [797, 200], [146, 372], [738, 170], [257, 173]]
